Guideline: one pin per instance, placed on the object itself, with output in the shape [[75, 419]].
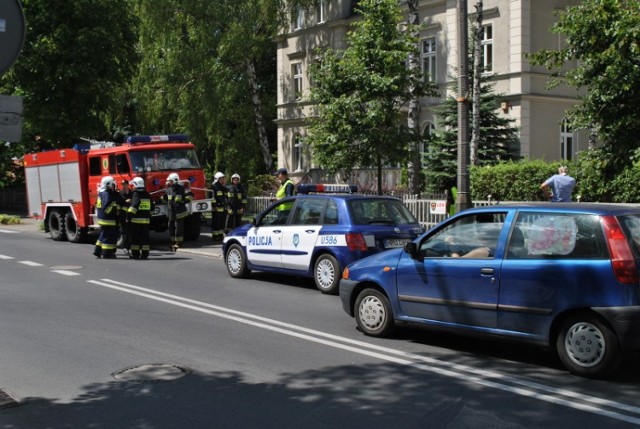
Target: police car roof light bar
[[322, 188]]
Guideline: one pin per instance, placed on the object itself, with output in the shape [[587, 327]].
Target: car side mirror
[[412, 249], [253, 221]]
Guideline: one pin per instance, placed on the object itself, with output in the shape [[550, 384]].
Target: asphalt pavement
[[203, 246]]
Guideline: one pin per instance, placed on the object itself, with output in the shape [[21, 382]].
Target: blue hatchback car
[[318, 235], [561, 274]]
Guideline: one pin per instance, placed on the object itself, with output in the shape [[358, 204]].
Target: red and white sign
[[438, 207]]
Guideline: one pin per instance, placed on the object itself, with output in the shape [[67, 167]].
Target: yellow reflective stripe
[[109, 246], [106, 222], [132, 210], [141, 221], [145, 204], [182, 215]]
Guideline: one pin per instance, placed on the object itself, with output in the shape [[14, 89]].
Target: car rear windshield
[[631, 226], [380, 211]]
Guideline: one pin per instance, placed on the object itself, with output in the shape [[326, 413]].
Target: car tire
[[56, 226], [74, 233], [326, 273], [373, 313], [236, 262], [588, 347]]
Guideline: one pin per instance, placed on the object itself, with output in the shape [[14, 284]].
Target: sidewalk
[[202, 246]]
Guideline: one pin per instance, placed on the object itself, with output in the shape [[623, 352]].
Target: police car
[[317, 235]]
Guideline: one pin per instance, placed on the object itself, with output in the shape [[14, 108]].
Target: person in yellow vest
[[286, 184], [451, 200]]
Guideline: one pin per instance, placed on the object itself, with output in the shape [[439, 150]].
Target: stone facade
[[512, 28]]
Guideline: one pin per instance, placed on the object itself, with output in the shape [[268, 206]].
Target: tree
[[361, 93], [498, 140], [77, 55], [600, 55]]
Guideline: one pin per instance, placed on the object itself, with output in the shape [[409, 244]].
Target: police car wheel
[[327, 274], [236, 262], [373, 313]]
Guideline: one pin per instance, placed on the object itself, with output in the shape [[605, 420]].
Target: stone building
[[510, 28]]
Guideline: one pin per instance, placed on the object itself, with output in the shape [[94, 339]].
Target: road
[[174, 342]]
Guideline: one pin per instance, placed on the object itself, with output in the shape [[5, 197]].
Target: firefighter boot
[[144, 254], [97, 252], [134, 254]]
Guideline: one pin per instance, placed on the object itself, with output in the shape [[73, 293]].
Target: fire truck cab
[[62, 184]]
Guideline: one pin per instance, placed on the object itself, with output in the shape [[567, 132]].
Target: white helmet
[[235, 176], [108, 182], [174, 178], [138, 182], [218, 176]]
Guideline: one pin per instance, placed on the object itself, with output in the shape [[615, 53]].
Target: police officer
[[176, 198], [286, 184], [219, 206], [108, 210], [237, 198], [138, 219], [123, 228]]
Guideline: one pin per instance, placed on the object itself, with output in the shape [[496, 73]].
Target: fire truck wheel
[[75, 234], [56, 226]]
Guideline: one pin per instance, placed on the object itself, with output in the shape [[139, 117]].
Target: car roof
[[594, 208], [345, 196]]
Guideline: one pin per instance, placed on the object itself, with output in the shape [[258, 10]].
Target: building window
[[298, 153], [487, 48], [427, 134], [296, 72], [566, 140], [429, 59], [322, 11], [298, 22]]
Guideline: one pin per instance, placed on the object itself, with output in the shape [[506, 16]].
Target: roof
[[596, 208]]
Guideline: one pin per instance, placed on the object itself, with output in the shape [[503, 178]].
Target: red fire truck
[[62, 184]]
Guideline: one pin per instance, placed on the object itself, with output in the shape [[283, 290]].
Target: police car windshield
[[380, 211], [165, 160]]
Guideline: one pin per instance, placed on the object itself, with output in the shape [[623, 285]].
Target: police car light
[[158, 138], [311, 188]]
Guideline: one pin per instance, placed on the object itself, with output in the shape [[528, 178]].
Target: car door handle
[[277, 231], [486, 271], [310, 231]]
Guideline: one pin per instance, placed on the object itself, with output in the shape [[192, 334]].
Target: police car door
[[300, 236], [264, 240]]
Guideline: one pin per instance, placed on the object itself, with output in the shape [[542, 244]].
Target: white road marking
[[505, 382], [30, 263], [6, 257], [9, 231], [66, 272]]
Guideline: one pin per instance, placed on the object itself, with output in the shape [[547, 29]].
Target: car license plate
[[395, 242]]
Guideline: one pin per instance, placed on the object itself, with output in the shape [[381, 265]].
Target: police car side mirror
[[411, 248]]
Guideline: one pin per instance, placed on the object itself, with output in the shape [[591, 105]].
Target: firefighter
[[123, 227], [237, 198], [219, 206], [176, 198], [108, 209], [138, 220]]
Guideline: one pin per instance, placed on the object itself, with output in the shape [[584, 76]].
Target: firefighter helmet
[[219, 175], [174, 178], [235, 176], [138, 182], [108, 182]]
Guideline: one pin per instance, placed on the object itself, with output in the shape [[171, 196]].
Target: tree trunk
[[414, 166], [257, 111]]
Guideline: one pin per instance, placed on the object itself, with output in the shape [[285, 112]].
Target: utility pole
[[477, 74], [414, 166], [463, 200]]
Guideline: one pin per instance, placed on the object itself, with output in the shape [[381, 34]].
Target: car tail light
[[355, 241], [622, 260]]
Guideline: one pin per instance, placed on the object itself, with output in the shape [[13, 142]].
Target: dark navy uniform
[[138, 220], [108, 210]]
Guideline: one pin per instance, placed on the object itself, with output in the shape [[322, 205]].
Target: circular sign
[[12, 32]]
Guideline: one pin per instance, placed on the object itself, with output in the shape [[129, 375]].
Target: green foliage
[[9, 219], [498, 140], [512, 181], [600, 48], [360, 93], [77, 55]]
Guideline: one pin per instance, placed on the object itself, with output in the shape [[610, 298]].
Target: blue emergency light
[[321, 188], [158, 138]]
